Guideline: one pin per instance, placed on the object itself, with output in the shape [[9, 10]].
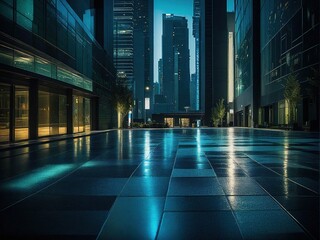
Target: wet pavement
[[231, 183]]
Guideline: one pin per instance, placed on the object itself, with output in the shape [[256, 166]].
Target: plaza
[[182, 183]]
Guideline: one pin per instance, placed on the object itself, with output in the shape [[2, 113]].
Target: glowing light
[[38, 176]]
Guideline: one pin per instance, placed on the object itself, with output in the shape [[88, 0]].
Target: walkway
[[163, 184]]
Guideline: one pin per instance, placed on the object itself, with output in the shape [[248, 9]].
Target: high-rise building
[[230, 93], [196, 35], [123, 28], [193, 90], [160, 75], [213, 54], [176, 59], [290, 45], [55, 73], [247, 62], [143, 57]]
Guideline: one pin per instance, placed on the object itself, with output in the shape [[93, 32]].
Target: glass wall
[[21, 121], [51, 21], [52, 114], [4, 113], [283, 112], [243, 57], [81, 114]]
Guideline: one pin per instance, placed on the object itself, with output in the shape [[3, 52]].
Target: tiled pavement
[[163, 184]]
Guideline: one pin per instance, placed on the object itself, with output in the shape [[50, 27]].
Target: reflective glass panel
[[4, 113], [21, 113]]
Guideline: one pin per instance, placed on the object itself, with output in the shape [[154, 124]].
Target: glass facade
[[60, 29], [53, 67], [21, 116], [4, 113], [290, 37], [81, 114], [244, 56], [123, 26], [52, 112]]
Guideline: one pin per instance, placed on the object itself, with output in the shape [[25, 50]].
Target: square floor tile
[[88, 186], [193, 173], [198, 225], [196, 203], [194, 186], [133, 218], [240, 186], [30, 224], [280, 186], [146, 186], [253, 203], [270, 224], [192, 165]]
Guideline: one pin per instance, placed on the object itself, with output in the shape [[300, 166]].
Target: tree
[[292, 96], [123, 101], [218, 112]]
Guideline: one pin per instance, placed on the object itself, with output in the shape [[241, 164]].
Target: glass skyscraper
[[55, 75], [123, 15], [196, 34], [176, 58]]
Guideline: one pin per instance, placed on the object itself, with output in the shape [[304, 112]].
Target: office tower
[[160, 75], [123, 25], [193, 91], [55, 73], [214, 52], [230, 98], [247, 62], [143, 57], [290, 45], [175, 56], [196, 35]]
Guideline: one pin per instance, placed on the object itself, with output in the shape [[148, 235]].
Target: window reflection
[[81, 114], [4, 112], [52, 114], [21, 113]]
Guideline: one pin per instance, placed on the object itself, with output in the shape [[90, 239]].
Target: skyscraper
[[123, 14], [230, 98], [196, 34], [176, 58], [193, 92], [143, 57], [214, 52], [247, 62], [290, 46]]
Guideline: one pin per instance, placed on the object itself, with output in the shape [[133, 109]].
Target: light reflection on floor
[[164, 184]]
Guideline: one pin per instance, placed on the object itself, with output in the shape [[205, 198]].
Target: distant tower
[[193, 90], [143, 56], [123, 39], [196, 34], [214, 54], [176, 58]]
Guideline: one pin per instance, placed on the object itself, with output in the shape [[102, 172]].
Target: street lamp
[[146, 103]]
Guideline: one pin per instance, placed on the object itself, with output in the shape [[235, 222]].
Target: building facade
[[213, 54], [247, 62], [143, 58], [196, 35], [176, 62], [55, 77], [193, 91], [123, 28], [290, 45], [230, 97]]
